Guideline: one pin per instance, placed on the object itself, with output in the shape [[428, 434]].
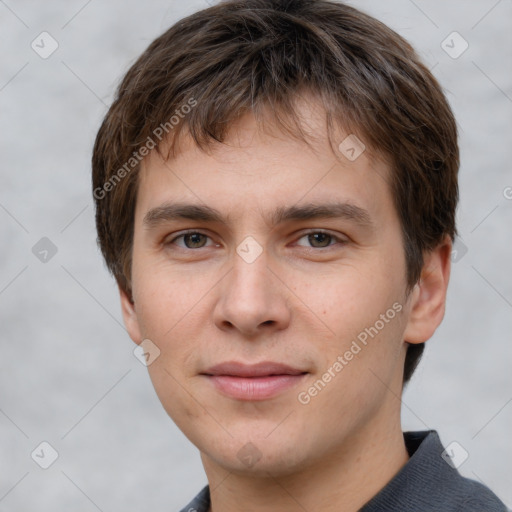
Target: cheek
[[348, 298], [164, 298], [359, 368], [168, 309], [361, 312], [169, 317]]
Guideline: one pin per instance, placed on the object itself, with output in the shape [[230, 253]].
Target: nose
[[252, 299]]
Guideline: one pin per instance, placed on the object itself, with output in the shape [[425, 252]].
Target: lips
[[260, 381], [263, 369]]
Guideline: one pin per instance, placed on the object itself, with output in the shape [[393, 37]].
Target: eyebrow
[[169, 212]]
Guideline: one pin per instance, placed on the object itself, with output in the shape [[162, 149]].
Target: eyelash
[[191, 232]]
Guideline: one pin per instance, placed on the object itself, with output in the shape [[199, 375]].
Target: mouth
[[253, 382]]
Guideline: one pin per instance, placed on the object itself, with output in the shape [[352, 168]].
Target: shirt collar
[[420, 480]]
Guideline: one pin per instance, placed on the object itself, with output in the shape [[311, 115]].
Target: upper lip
[[265, 368]]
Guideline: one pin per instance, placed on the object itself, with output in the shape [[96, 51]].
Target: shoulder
[[431, 478], [201, 503], [475, 497]]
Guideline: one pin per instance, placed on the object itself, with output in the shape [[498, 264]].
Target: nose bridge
[[249, 264], [250, 297], [249, 279]]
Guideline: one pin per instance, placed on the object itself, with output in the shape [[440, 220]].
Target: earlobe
[[131, 321], [428, 297]]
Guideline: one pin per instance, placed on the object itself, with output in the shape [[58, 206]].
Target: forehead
[[261, 168]]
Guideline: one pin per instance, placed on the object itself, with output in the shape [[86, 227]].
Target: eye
[[320, 239], [191, 239], [198, 240]]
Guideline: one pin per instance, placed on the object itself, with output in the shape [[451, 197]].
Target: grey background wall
[[68, 374]]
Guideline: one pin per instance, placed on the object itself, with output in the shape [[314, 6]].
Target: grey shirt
[[427, 483]]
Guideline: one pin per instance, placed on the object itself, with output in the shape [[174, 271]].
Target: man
[[275, 186]]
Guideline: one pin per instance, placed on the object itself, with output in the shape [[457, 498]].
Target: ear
[[131, 321], [428, 297]]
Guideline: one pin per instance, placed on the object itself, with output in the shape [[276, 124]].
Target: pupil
[[319, 237], [194, 238]]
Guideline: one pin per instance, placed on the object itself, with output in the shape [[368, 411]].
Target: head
[[251, 116]]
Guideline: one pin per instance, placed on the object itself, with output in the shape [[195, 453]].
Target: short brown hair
[[244, 55]]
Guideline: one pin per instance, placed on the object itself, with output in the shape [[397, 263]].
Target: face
[[264, 276]]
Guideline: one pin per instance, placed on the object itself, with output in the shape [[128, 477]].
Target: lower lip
[[254, 388]]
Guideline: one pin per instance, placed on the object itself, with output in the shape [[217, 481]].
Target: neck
[[344, 480]]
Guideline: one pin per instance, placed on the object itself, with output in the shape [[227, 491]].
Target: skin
[[301, 302]]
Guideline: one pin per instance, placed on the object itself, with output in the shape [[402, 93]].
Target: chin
[[260, 457]]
